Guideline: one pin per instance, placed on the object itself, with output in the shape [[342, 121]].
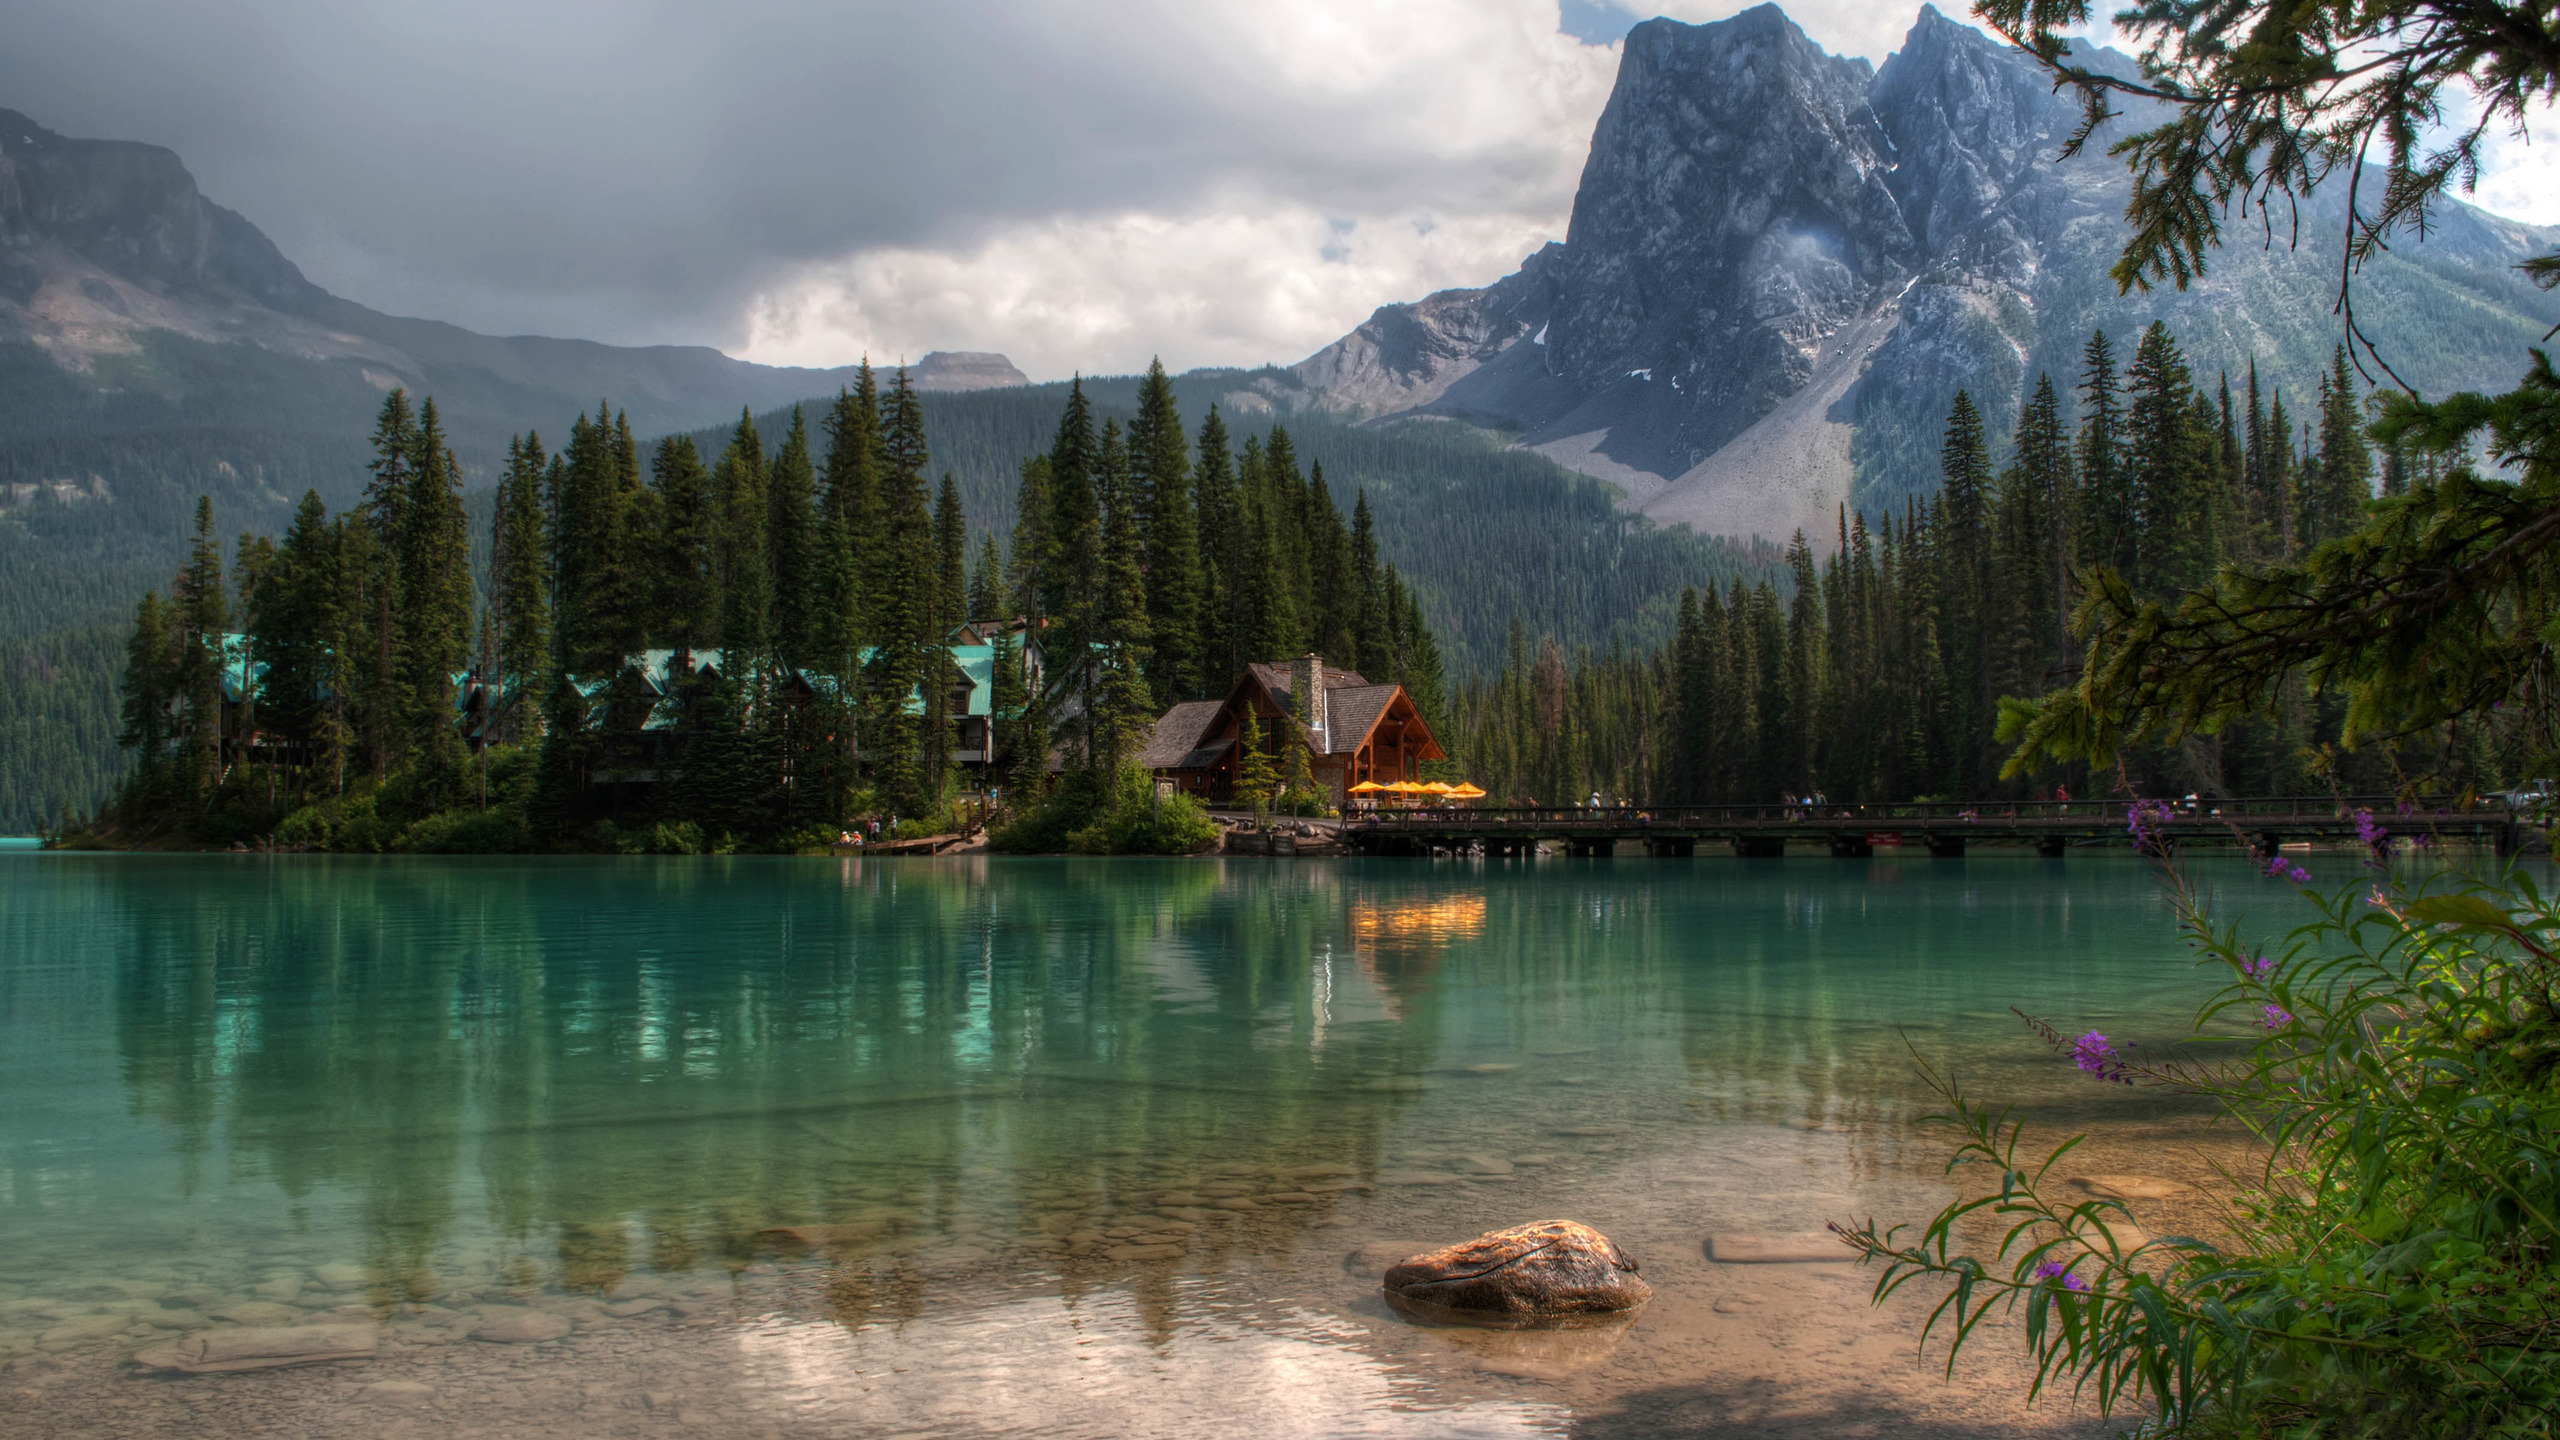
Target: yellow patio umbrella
[[1438, 787], [1367, 787], [1405, 787], [1467, 790]]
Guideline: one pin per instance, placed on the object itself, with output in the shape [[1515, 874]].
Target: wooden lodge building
[[1353, 730]]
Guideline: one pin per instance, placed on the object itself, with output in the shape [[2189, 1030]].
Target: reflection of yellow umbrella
[[1367, 787], [1466, 791]]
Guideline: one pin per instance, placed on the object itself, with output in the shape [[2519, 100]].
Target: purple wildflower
[[2278, 1017], [2280, 868], [2056, 1270], [2145, 821], [2261, 967], [2375, 838], [2095, 1056]]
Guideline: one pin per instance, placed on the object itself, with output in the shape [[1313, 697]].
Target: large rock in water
[[1552, 1268]]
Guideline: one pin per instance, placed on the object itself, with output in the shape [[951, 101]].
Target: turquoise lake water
[[800, 1144]]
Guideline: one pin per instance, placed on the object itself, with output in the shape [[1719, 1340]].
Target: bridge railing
[[2248, 813]]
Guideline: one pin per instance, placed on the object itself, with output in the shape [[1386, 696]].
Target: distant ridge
[[116, 268]]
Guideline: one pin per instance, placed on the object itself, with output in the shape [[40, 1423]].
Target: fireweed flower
[[2375, 838], [2144, 820], [2277, 1016], [2056, 1270], [2095, 1056], [2260, 968], [2280, 868]]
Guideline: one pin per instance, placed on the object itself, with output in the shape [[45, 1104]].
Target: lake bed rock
[[518, 1325], [1802, 1247], [1552, 1268], [2132, 1187], [262, 1347]]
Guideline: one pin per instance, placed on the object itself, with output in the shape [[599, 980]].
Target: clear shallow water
[[798, 1146]]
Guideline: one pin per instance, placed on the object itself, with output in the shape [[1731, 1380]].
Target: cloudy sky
[[1078, 184]]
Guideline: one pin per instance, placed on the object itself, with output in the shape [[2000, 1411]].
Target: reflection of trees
[[645, 1063]]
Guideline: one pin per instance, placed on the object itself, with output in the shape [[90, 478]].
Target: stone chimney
[[1306, 693]]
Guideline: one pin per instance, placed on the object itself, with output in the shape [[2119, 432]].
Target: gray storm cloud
[[1077, 183], [638, 172]]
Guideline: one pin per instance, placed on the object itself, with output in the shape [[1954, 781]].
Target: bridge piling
[[1946, 847], [1851, 847]]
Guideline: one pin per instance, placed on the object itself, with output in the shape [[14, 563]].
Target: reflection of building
[[1352, 730]]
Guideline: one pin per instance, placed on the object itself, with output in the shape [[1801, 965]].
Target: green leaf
[[2460, 910]]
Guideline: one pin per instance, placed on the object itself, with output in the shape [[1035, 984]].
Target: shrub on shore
[[2392, 1270], [1106, 815]]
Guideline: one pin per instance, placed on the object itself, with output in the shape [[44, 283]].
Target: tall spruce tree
[[794, 540], [434, 565], [1120, 703], [905, 657], [691, 560], [520, 592], [2108, 515], [1222, 554], [1168, 519]]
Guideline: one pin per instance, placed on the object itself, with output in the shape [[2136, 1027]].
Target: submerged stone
[[1553, 1268], [2133, 1187], [517, 1325], [260, 1348], [1803, 1247]]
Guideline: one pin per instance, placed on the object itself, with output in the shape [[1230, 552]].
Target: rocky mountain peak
[[1781, 265], [133, 210]]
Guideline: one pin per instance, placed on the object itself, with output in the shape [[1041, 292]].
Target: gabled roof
[[1176, 736], [1354, 712]]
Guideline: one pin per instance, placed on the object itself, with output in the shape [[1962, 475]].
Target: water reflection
[[924, 1090]]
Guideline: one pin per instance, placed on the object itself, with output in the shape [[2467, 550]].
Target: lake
[[773, 1147]]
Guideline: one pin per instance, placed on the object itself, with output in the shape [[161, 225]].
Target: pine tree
[[746, 593], [434, 566], [691, 559], [1371, 649], [1256, 776], [851, 506], [149, 693], [2108, 512], [986, 582], [794, 540], [1069, 585], [1120, 703], [202, 616], [2168, 467], [1965, 460], [903, 595], [2334, 501], [1160, 461], [290, 624], [950, 606], [520, 590], [1222, 547]]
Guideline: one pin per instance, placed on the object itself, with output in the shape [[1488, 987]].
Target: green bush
[[469, 832], [1086, 815], [2396, 1272]]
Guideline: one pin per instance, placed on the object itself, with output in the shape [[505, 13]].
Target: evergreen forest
[[677, 647], [1878, 671], [96, 507]]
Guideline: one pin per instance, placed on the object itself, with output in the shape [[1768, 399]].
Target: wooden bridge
[[1943, 829]]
